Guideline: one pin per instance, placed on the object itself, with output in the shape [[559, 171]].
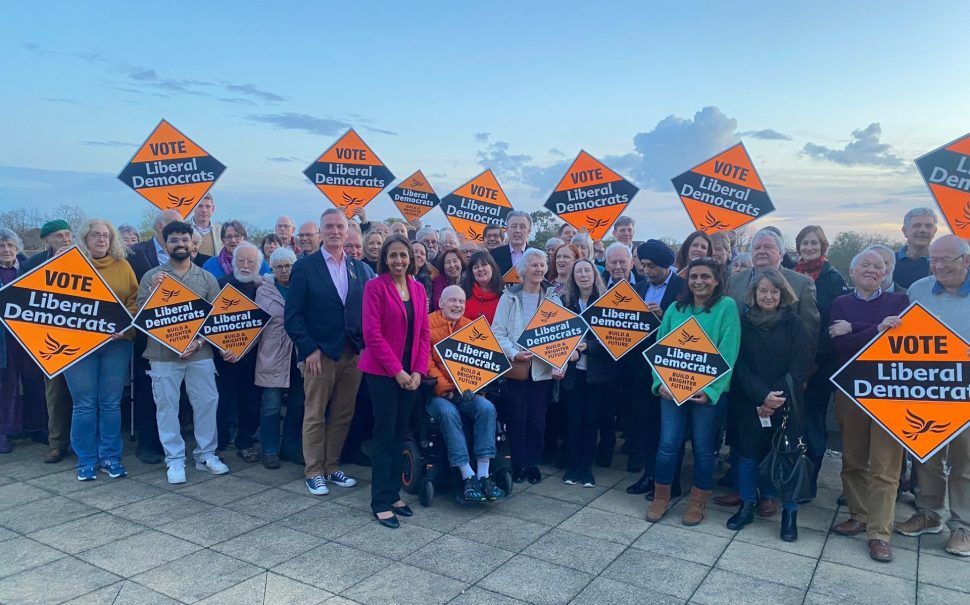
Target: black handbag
[[787, 467]]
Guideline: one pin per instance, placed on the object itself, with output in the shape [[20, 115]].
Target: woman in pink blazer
[[397, 344]]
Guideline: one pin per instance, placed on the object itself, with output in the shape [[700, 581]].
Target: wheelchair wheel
[[411, 467], [427, 493], [504, 481]]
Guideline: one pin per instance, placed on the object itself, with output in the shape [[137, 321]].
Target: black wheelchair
[[425, 454]]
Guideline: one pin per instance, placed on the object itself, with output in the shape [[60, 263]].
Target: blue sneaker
[[114, 469], [86, 473], [317, 485]]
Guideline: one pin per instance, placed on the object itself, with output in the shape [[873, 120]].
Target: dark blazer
[[503, 257], [143, 257], [634, 358], [35, 261], [314, 317], [200, 259]]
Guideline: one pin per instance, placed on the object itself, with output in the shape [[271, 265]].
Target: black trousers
[[611, 398], [392, 415], [581, 403], [362, 426], [146, 426], [527, 404], [239, 401], [818, 393]]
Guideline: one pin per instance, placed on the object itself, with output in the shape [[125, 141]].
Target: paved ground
[[256, 536]]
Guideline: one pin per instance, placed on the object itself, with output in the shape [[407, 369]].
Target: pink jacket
[[384, 324], [275, 353]]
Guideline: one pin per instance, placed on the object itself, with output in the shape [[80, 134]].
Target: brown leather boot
[[661, 501], [695, 506]]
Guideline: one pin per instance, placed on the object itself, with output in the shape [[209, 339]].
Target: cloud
[[671, 147], [556, 152], [61, 100], [676, 144], [863, 149], [284, 159], [250, 90], [237, 100], [482, 137], [768, 134], [300, 121], [108, 144]]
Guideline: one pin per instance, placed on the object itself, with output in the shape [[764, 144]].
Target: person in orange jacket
[[448, 406]]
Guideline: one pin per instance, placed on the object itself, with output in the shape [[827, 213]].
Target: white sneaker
[[176, 474], [213, 465]]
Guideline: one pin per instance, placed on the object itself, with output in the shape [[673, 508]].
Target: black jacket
[[634, 361], [600, 367], [829, 286], [143, 257], [35, 261], [765, 357], [315, 317]]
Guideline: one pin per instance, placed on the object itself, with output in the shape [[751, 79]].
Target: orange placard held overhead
[[479, 202], [553, 333], [234, 322], [590, 196], [723, 193], [414, 196], [946, 172], [473, 356], [171, 171], [173, 314], [914, 380], [61, 311], [349, 173], [620, 319], [686, 360]]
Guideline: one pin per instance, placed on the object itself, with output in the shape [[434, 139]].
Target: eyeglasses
[[234, 237], [308, 234], [99, 235], [286, 267], [945, 260]]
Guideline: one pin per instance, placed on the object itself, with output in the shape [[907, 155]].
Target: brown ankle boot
[[695, 506], [661, 501]]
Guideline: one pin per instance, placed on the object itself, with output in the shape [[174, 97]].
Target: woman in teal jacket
[[717, 314]]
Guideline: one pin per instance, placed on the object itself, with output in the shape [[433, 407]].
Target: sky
[[833, 100]]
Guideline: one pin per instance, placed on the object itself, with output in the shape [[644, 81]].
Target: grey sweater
[[202, 283], [951, 309]]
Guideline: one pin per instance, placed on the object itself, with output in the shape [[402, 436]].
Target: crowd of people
[[356, 306]]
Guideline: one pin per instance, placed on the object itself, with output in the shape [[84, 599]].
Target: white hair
[[858, 257], [619, 246], [529, 253], [235, 255], [779, 240], [281, 255], [449, 290]]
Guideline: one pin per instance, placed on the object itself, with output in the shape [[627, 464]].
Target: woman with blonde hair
[[97, 381]]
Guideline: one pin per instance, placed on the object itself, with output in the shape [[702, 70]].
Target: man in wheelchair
[[448, 407]]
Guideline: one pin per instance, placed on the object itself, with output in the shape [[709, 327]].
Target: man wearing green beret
[[57, 235]]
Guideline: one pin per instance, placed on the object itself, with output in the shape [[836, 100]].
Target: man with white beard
[[239, 399]]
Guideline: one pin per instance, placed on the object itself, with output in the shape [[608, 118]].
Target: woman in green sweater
[[718, 316], [97, 381]]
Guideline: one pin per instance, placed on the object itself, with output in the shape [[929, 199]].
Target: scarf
[[761, 320], [225, 261], [812, 268]]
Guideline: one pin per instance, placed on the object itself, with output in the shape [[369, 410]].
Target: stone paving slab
[[257, 536]]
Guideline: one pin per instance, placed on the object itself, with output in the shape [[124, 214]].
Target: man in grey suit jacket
[[767, 249]]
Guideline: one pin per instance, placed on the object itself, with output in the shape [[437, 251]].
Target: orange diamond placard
[[62, 311], [472, 356], [479, 202], [553, 333], [512, 277], [234, 323], [349, 173], [414, 196], [946, 172], [171, 171], [686, 360], [723, 193], [620, 319], [590, 196], [914, 380], [173, 314]]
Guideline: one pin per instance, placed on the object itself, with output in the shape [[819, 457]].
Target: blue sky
[[833, 102]]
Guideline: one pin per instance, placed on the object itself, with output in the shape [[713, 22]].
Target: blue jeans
[[705, 422], [448, 416], [96, 383], [748, 479], [269, 425]]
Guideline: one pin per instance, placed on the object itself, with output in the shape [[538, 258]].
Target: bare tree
[[74, 216], [21, 220]]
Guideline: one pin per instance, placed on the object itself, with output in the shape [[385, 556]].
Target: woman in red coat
[[482, 284]]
